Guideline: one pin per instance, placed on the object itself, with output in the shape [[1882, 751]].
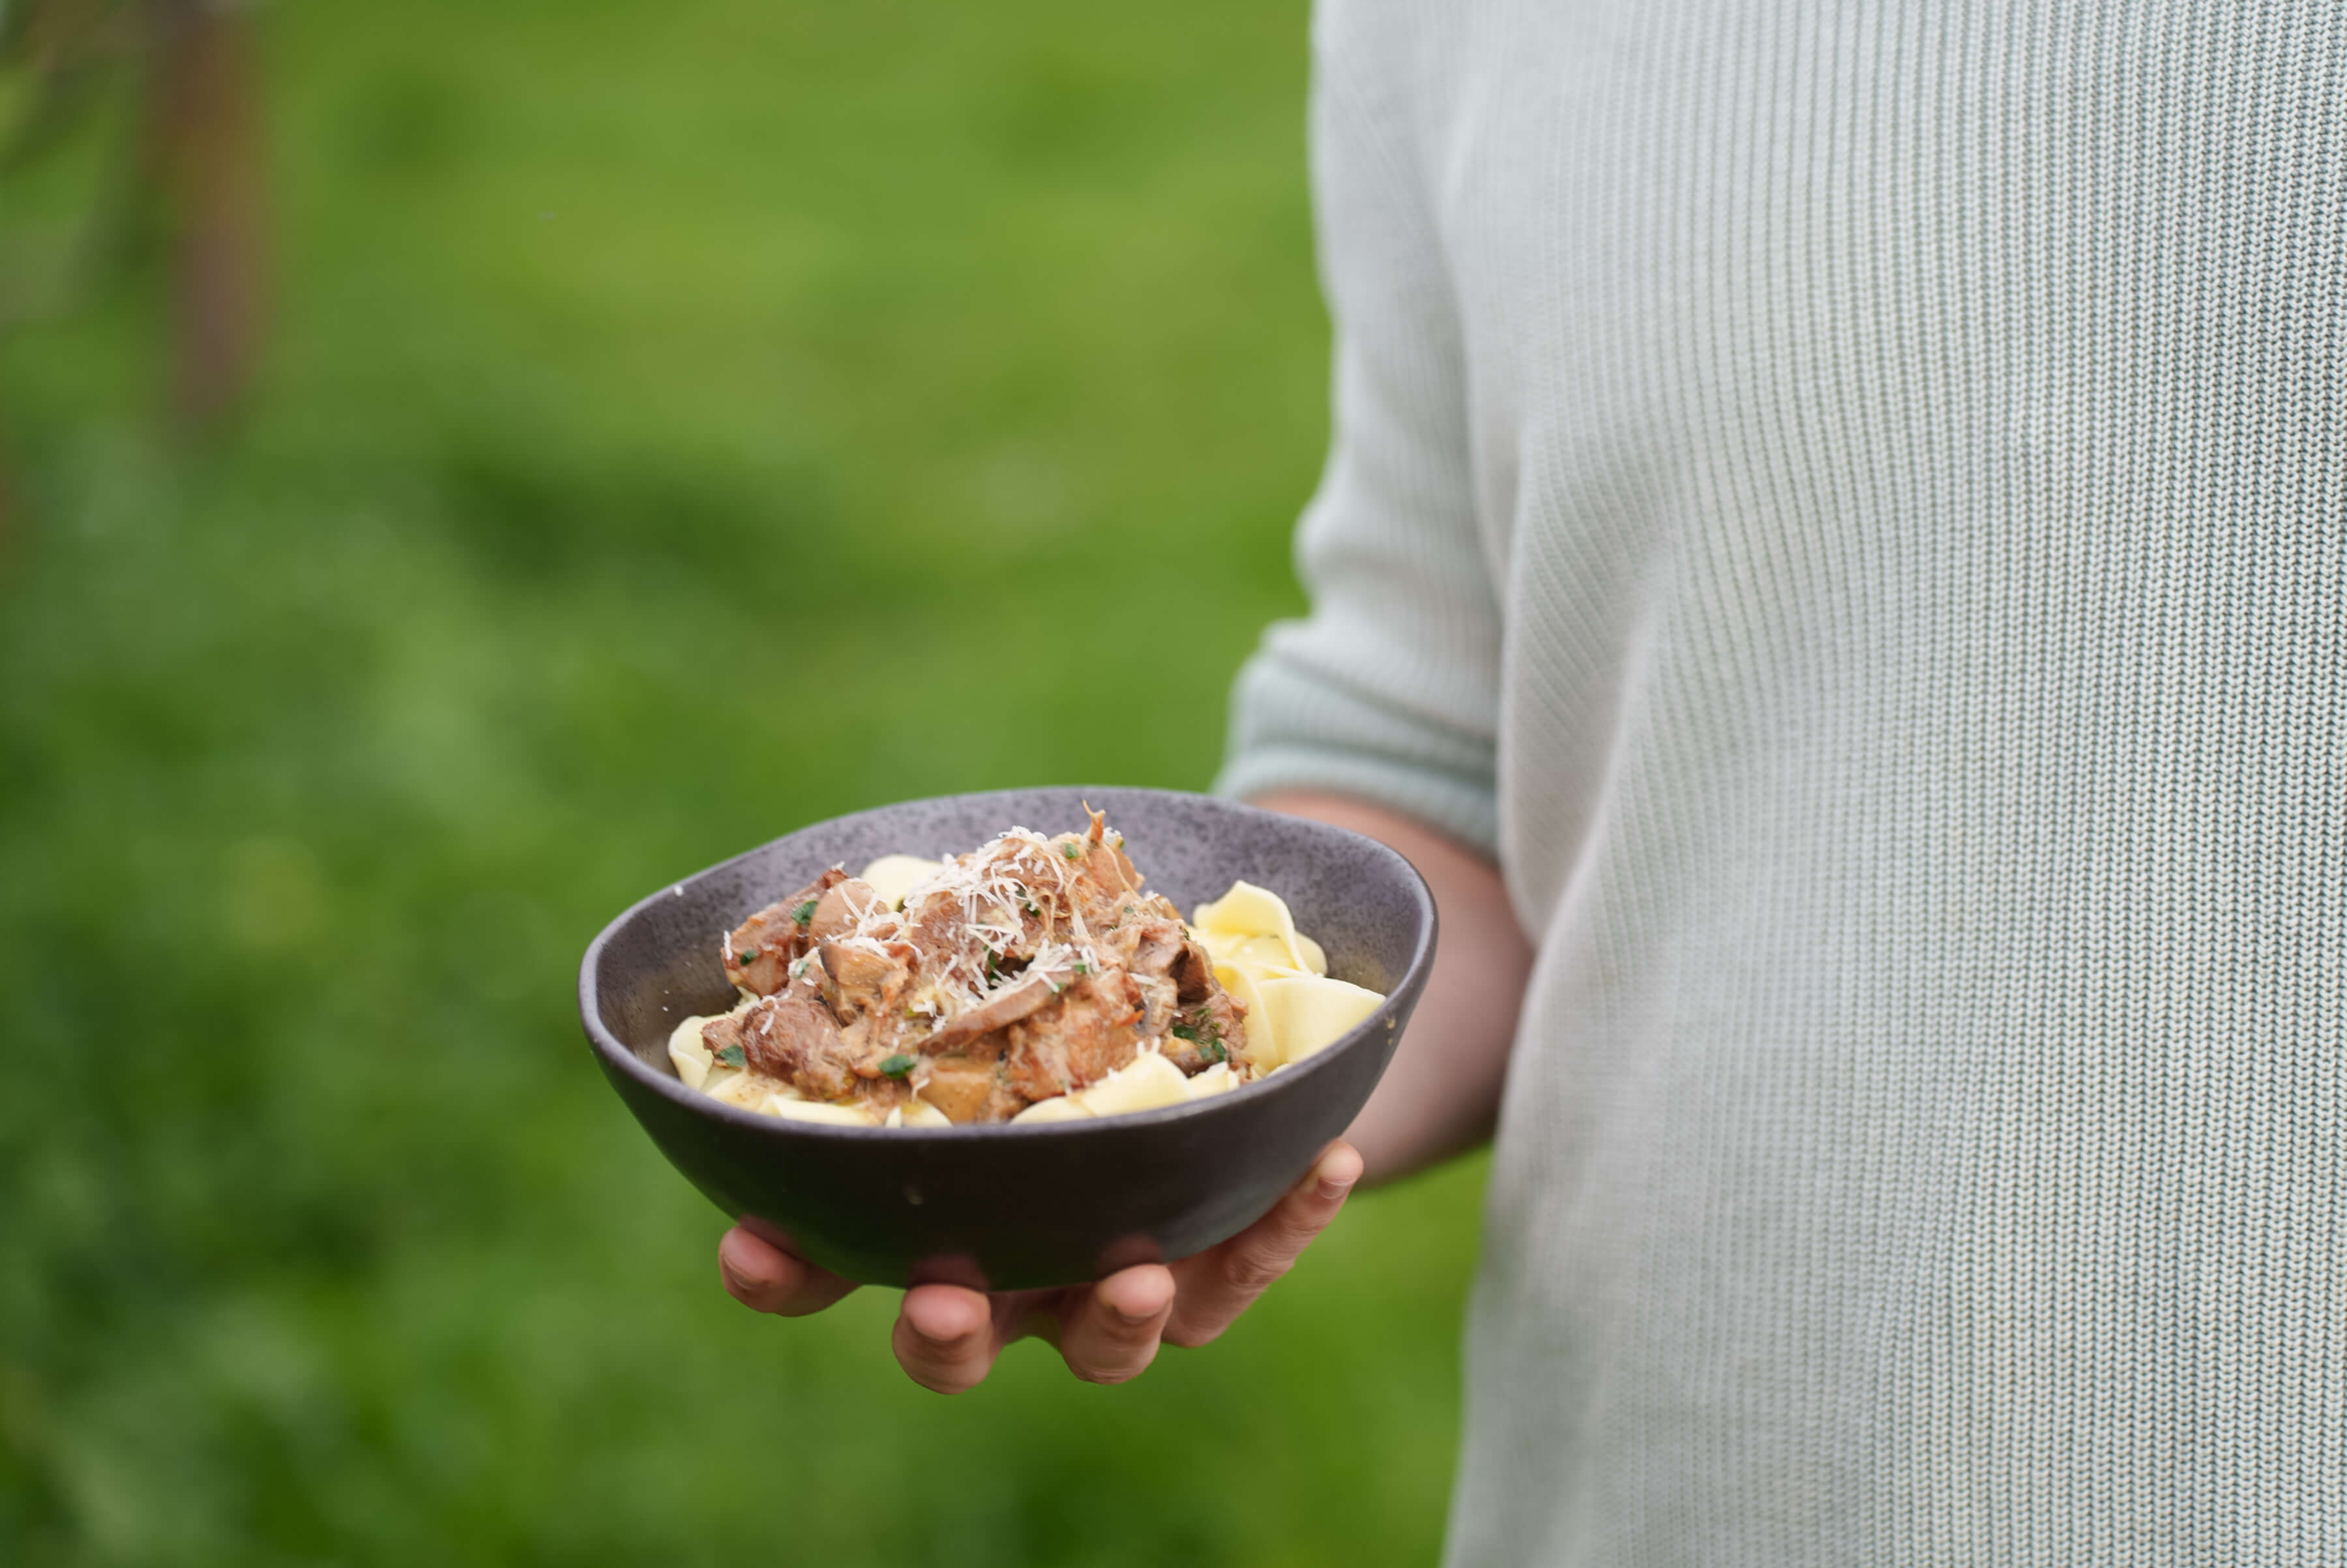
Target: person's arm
[[1442, 1095], [1388, 693]]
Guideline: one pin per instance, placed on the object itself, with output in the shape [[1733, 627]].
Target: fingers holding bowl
[[762, 1273], [948, 1337], [1109, 1333], [945, 1337], [1223, 1281]]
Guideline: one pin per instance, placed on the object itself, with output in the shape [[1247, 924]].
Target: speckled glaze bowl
[[1004, 1207]]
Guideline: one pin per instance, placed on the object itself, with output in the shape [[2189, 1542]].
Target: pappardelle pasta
[[1033, 979]]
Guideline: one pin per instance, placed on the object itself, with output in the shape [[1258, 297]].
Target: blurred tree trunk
[[7, 513], [190, 197], [205, 155]]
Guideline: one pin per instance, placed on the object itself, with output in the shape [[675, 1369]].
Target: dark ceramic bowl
[[1003, 1207]]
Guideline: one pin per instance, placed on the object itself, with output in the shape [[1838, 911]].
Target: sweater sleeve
[[1388, 691]]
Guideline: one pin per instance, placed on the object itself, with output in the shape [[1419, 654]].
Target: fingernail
[[1332, 1188], [939, 1339]]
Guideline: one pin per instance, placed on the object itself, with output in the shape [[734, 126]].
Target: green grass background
[[683, 423]]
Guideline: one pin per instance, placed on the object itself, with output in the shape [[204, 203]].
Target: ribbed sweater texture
[[1848, 504]]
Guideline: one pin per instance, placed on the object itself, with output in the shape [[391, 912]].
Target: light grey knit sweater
[[1851, 502]]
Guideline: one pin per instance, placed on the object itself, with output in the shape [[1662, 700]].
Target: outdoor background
[[677, 423]]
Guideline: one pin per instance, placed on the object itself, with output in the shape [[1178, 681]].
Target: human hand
[[948, 1336]]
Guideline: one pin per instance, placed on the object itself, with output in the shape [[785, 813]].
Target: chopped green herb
[[1213, 1050], [1183, 1031], [746, 957], [799, 966], [1029, 905], [1081, 966], [803, 912], [1071, 852], [731, 1056], [897, 1065], [989, 966]]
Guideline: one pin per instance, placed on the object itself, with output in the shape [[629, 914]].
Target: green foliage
[[955, 369]]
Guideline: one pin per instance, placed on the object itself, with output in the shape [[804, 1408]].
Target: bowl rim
[[615, 1054]]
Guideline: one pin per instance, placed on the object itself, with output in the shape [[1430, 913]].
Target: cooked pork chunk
[[1026, 969], [793, 1036], [759, 951], [1087, 1033], [1209, 1030]]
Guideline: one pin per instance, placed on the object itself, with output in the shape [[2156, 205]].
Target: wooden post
[[205, 149]]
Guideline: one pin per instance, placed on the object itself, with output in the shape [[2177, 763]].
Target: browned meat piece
[[1158, 1002], [1175, 976], [761, 950], [1100, 879], [1072, 888], [1155, 946], [934, 926], [793, 1036], [1006, 1005], [760, 973], [1114, 865], [858, 981], [1193, 974], [882, 1095], [1207, 1032], [838, 974], [1148, 944], [1037, 917], [721, 1035], [1104, 865], [1084, 1035], [876, 1047], [1040, 910]]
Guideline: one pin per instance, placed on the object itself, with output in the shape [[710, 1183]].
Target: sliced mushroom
[[857, 980], [959, 1086], [1193, 973], [1006, 1005], [843, 904], [761, 948]]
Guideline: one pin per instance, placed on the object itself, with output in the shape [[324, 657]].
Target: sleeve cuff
[[1292, 730]]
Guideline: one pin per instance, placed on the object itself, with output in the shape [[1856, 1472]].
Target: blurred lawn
[[683, 423]]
